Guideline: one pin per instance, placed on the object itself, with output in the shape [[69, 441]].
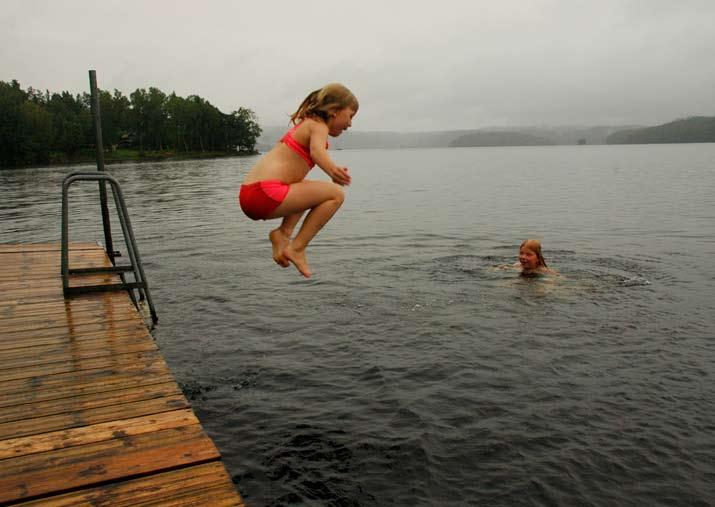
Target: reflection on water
[[412, 370]]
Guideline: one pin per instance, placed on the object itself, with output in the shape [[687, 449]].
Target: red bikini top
[[300, 149]]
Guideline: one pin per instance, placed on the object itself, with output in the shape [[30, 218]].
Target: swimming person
[[531, 260], [276, 186]]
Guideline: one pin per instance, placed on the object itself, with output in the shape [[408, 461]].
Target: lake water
[[411, 370]]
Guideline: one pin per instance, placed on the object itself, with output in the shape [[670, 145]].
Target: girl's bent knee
[[338, 193]]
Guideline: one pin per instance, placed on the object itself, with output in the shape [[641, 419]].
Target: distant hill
[[499, 139], [567, 135], [495, 136], [697, 129], [356, 139]]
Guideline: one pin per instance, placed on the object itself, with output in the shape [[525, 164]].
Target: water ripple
[[417, 367]]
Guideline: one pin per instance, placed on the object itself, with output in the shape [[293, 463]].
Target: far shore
[[133, 157]]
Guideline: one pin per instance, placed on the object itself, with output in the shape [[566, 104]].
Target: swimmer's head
[[530, 256]]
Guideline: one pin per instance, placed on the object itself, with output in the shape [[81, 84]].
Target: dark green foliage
[[37, 127], [698, 129], [71, 123], [242, 129], [25, 126], [114, 110]]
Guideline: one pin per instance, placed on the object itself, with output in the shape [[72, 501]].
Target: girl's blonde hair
[[535, 246], [323, 102]]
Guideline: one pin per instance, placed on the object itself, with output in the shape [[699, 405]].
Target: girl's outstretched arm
[[318, 140]]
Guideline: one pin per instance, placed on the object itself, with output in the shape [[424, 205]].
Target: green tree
[[149, 117], [25, 126], [177, 117], [115, 111], [196, 112], [36, 131], [139, 116], [242, 130], [34, 123], [11, 100], [71, 123], [156, 118]]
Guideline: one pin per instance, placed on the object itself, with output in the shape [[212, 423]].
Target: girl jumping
[[276, 186]]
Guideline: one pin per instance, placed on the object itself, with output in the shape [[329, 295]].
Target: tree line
[[696, 129], [34, 125], [487, 138]]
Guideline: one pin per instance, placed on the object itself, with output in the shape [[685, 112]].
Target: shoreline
[[134, 158]]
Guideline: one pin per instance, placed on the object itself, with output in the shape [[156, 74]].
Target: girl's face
[[528, 259], [342, 120]]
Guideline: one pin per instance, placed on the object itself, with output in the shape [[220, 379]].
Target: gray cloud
[[443, 65]]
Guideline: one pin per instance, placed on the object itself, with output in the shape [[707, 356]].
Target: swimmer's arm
[[318, 140], [549, 271], [503, 267]]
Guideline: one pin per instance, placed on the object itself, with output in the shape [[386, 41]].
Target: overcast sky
[[414, 65]]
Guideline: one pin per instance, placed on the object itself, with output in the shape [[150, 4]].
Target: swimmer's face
[[528, 259]]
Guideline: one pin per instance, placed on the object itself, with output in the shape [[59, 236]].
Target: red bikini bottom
[[258, 200]]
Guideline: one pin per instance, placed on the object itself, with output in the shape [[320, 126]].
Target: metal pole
[[96, 115], [65, 250], [132, 247]]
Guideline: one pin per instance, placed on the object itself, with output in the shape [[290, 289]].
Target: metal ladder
[[139, 284]]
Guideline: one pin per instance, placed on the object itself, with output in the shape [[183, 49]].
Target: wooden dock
[[89, 411]]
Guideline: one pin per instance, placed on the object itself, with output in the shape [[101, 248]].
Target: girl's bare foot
[[297, 257], [279, 242]]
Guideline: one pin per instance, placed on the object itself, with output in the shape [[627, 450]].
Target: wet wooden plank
[[63, 385], [30, 264], [47, 261], [206, 484], [35, 426], [63, 469], [47, 247], [27, 297], [35, 264], [38, 366], [89, 412], [104, 330], [41, 286], [89, 434], [68, 412], [72, 352], [23, 326], [77, 299], [32, 322], [58, 304], [48, 293], [9, 310]]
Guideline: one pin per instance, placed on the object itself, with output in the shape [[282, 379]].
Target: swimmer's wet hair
[[535, 246]]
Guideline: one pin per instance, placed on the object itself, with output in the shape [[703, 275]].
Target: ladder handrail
[[136, 265]]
